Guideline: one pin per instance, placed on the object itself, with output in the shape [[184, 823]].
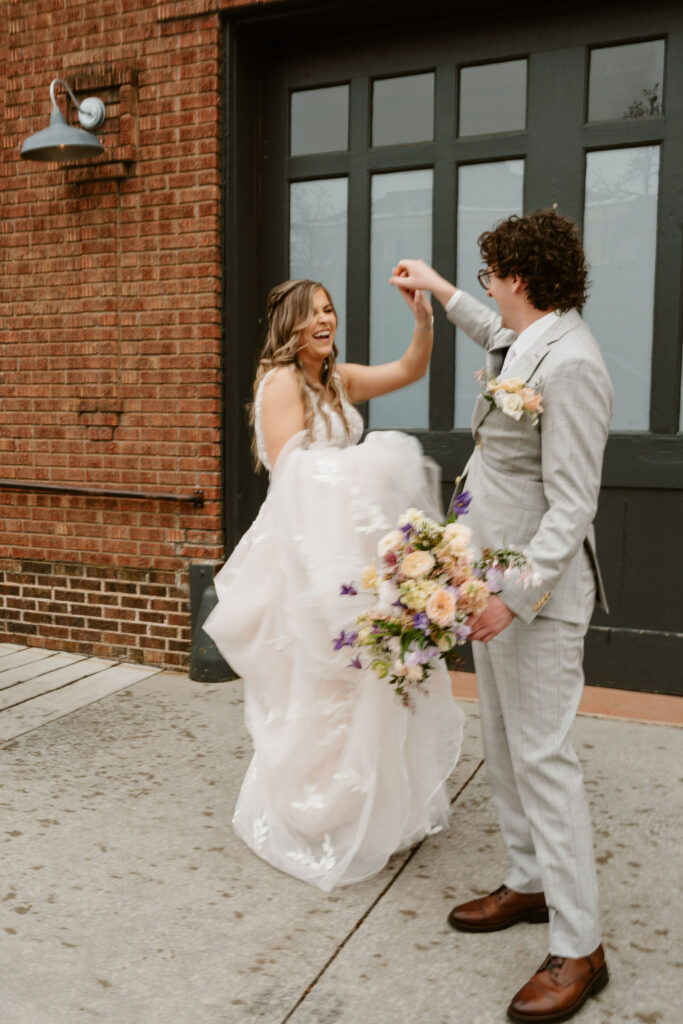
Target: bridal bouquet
[[427, 582]]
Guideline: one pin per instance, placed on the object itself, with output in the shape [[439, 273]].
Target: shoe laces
[[553, 964]]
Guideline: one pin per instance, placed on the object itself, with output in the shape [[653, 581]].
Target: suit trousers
[[530, 679]]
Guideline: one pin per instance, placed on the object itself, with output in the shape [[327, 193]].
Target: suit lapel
[[525, 365], [495, 358]]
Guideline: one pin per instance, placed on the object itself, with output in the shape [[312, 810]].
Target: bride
[[342, 774]]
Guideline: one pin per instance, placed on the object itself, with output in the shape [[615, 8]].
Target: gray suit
[[537, 487]]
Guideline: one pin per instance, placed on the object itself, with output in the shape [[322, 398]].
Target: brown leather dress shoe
[[499, 910], [559, 988]]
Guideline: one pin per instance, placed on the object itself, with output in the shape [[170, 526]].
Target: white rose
[[415, 673], [513, 405], [410, 516], [389, 542], [398, 668], [457, 536]]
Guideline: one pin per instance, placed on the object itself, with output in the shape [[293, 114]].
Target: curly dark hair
[[545, 251]]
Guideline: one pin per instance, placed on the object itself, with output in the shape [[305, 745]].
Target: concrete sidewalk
[[127, 899]]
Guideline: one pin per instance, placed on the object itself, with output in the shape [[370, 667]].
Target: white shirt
[[525, 339]]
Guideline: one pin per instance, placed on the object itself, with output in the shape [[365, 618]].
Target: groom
[[536, 486]]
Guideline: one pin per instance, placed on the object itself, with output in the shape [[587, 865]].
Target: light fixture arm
[[91, 112]]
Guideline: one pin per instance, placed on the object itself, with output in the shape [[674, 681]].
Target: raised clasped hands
[[420, 305], [410, 276]]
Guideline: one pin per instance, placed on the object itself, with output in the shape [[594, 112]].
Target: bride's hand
[[414, 274], [419, 304]]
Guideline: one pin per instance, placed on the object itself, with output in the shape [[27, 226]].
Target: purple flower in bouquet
[[461, 503], [344, 640], [420, 656], [355, 663], [421, 621], [347, 589], [461, 632], [494, 580]]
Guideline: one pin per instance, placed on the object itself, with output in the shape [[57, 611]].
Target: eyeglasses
[[484, 278]]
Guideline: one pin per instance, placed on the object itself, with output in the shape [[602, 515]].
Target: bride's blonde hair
[[290, 309]]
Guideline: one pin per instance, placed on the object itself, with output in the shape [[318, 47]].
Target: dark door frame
[[637, 463]]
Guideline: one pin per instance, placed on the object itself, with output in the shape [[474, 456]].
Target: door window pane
[[317, 240], [319, 120], [487, 193], [401, 226], [403, 109], [620, 228], [626, 81], [493, 98]]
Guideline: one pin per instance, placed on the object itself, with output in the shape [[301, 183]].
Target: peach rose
[[441, 608], [511, 384], [532, 401], [369, 577], [417, 563], [474, 596]]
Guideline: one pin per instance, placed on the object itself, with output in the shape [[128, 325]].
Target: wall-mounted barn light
[[63, 142]]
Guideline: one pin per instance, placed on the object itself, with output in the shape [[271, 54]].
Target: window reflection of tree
[[648, 105], [621, 204], [620, 198], [318, 224]]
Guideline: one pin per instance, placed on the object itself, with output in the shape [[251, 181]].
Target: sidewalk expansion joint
[[415, 850]]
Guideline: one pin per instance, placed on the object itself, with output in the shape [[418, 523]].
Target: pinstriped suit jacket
[[538, 487]]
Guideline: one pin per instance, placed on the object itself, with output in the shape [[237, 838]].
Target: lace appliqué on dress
[[367, 516], [355, 782], [324, 863], [260, 831], [326, 467], [313, 800]]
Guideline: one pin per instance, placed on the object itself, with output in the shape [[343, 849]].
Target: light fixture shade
[[61, 142]]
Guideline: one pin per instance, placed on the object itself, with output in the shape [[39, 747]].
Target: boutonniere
[[512, 396]]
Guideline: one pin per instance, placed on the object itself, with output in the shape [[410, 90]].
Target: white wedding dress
[[342, 774]]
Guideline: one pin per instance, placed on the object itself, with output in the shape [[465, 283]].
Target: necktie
[[509, 356]]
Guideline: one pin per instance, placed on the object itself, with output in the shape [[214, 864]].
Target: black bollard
[[207, 664]]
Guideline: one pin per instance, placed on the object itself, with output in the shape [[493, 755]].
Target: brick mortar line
[[370, 909]]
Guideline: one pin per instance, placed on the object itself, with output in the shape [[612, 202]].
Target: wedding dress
[[342, 774]]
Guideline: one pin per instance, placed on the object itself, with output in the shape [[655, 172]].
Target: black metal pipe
[[196, 498]]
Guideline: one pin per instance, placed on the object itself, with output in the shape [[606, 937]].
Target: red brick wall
[[110, 336]]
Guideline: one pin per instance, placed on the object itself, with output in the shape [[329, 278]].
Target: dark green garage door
[[345, 152]]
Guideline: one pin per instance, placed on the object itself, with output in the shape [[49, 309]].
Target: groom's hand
[[413, 275], [491, 622]]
